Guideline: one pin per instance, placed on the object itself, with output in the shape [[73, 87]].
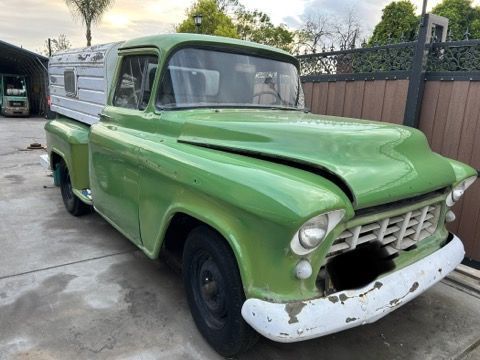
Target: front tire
[[72, 203], [215, 292]]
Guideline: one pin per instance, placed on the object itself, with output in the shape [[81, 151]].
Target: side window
[[135, 82], [70, 82]]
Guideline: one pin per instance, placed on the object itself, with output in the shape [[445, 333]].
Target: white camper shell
[[80, 80]]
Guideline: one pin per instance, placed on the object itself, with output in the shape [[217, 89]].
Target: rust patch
[[440, 270], [377, 286], [284, 334], [395, 301], [293, 309], [350, 319], [333, 299]]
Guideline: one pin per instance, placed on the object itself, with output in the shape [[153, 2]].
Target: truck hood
[[378, 162]]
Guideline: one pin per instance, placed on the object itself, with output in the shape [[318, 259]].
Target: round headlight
[[313, 232]]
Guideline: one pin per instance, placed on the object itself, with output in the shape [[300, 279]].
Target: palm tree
[[90, 11]]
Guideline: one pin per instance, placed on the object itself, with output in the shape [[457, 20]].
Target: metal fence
[[449, 60], [387, 61], [434, 86]]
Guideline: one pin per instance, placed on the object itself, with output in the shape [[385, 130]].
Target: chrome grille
[[395, 233]]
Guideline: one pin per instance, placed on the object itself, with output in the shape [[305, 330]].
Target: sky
[[30, 24]]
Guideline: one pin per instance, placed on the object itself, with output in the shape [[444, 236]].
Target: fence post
[[429, 24], [417, 77]]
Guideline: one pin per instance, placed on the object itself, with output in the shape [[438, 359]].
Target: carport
[[16, 60]]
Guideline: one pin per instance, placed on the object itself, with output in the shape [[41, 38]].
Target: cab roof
[[166, 43]]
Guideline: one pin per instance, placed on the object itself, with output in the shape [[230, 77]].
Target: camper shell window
[[70, 82]]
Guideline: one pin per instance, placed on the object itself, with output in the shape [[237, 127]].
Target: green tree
[[90, 11], [462, 16], [214, 22], [257, 26], [399, 23], [244, 24]]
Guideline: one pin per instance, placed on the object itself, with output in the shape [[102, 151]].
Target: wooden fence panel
[[450, 118], [373, 100], [320, 97], [394, 101], [381, 100], [429, 108], [353, 104], [441, 113], [308, 93]]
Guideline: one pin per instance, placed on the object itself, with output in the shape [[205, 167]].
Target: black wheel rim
[[209, 290]]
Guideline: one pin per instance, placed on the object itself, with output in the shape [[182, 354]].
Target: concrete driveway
[[74, 288]]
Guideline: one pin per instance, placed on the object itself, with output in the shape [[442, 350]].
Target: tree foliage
[[57, 44], [214, 21], [462, 16], [257, 26], [231, 19], [399, 23], [90, 11]]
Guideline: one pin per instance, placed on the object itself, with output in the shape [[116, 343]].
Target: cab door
[[115, 141]]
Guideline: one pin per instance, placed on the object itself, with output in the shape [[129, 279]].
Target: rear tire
[[215, 292], [72, 203]]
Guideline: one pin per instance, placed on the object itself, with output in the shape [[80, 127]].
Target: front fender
[[256, 205]]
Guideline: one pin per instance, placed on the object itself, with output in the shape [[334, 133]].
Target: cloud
[[369, 12], [127, 19], [38, 20]]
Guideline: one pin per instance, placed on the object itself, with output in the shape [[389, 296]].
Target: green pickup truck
[[287, 224]]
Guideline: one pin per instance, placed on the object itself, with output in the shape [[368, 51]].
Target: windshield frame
[[229, 49]]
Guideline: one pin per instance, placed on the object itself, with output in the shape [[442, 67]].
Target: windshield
[[15, 85], [199, 77]]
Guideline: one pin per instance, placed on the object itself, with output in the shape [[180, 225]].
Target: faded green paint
[[69, 140], [147, 166]]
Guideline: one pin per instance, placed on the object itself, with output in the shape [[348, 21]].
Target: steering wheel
[[268, 92]]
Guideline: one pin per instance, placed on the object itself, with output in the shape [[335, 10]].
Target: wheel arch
[[55, 158], [186, 220]]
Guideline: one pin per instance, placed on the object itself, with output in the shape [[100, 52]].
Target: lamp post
[[424, 7], [198, 22]]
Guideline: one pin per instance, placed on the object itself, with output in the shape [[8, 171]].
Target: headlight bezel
[[333, 219], [458, 191]]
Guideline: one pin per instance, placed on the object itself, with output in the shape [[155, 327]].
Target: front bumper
[[303, 320], [13, 111]]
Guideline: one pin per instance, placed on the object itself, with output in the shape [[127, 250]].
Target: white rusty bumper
[[346, 309]]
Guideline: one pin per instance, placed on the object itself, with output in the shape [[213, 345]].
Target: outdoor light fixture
[[198, 22]]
